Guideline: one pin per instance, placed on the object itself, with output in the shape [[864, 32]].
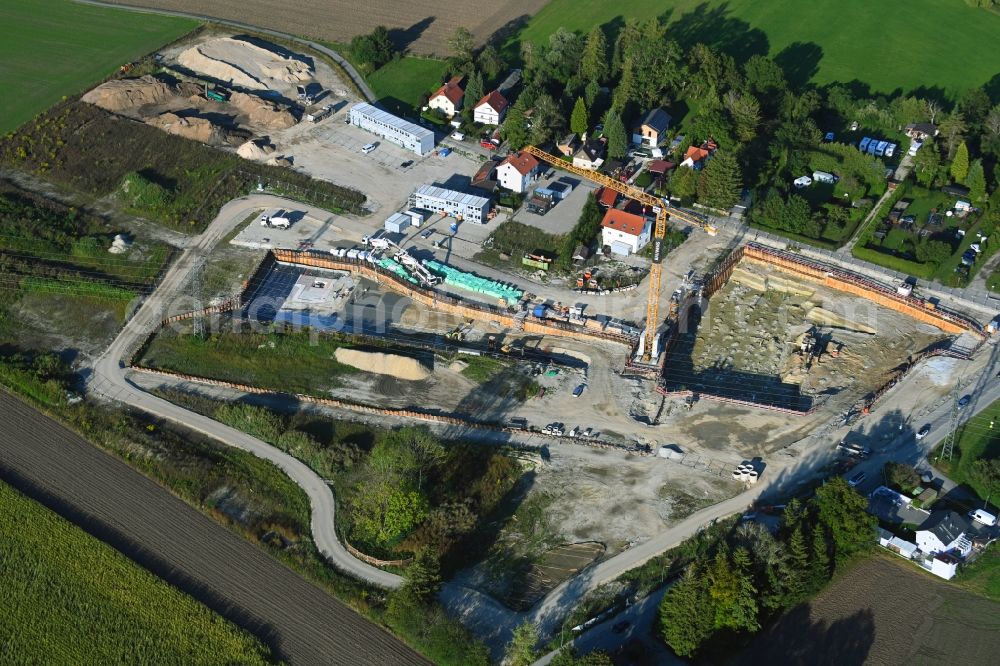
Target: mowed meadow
[[71, 599], [52, 48]]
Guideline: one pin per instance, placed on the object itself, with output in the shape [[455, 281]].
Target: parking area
[[305, 229], [386, 153], [888, 506], [563, 217]]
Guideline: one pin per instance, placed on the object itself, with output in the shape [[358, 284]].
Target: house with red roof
[[448, 98], [607, 197], [491, 109], [516, 171], [625, 233], [695, 157]]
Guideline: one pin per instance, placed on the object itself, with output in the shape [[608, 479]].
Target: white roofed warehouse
[[467, 207], [389, 127]]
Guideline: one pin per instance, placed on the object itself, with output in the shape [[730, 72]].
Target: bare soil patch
[[883, 611], [422, 25]]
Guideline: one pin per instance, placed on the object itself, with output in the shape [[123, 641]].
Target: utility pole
[[948, 448]]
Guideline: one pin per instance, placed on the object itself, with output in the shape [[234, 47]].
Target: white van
[[983, 517], [890, 149], [458, 136], [367, 148]]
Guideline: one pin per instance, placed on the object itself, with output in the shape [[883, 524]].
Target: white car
[[458, 136], [368, 147]]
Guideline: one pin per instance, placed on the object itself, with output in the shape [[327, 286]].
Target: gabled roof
[[607, 197], [485, 172], [946, 525], [496, 101], [700, 153], [926, 128], [659, 166], [568, 140], [624, 222], [657, 118], [452, 90], [591, 151], [522, 162]]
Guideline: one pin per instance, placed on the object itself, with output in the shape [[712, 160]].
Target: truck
[[216, 94], [854, 449], [319, 114], [275, 222]]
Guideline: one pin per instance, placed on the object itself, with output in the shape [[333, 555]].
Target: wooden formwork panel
[[918, 313]]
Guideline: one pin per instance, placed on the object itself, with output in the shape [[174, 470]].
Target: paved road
[[138, 517], [109, 381], [359, 80]]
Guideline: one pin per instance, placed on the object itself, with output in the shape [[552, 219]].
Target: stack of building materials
[[394, 266], [474, 283]]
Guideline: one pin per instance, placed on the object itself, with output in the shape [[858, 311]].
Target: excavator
[[662, 210]]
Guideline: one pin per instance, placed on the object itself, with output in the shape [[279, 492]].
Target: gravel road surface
[[115, 503]]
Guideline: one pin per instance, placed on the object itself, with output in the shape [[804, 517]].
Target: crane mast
[[659, 207]]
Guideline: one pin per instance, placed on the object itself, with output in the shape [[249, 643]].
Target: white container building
[[389, 127], [467, 207], [397, 223]]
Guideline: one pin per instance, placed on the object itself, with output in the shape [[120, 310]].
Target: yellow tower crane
[[659, 207]]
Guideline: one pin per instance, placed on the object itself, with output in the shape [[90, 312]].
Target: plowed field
[[302, 623], [422, 25], [883, 611]]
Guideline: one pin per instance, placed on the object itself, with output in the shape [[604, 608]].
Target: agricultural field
[[803, 40], [52, 48], [883, 611], [422, 26], [70, 598]]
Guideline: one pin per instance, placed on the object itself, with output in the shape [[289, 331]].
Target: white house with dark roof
[[945, 532], [651, 131]]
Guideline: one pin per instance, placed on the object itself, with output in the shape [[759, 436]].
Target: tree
[[594, 59], [563, 54], [578, 122], [844, 513], [985, 474], [373, 50], [683, 182], [546, 121], [614, 129], [521, 649], [765, 80], [960, 164], [721, 182], [819, 568], [927, 165], [656, 64], [474, 90], [461, 44], [952, 130], [590, 93], [744, 109], [625, 90], [731, 589], [798, 558], [686, 614], [423, 577], [935, 252], [490, 62], [569, 657], [976, 182], [514, 129], [974, 105]]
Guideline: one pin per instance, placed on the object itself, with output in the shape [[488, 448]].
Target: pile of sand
[[197, 129], [126, 94], [282, 161], [261, 112], [400, 367], [243, 64], [257, 149]]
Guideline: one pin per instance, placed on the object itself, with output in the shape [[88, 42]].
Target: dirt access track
[[118, 505], [421, 26]]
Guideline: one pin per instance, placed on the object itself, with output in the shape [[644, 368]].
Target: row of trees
[[754, 576]]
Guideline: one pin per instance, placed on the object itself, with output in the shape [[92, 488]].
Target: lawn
[[822, 41], [401, 83], [69, 598], [52, 48], [975, 440], [289, 362]]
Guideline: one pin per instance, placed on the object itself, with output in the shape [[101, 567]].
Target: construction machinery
[[663, 211]]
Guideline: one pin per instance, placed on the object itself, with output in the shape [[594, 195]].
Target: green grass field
[[975, 440], [922, 43], [71, 599], [52, 48], [401, 83]]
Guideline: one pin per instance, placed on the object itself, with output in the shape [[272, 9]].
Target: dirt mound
[[197, 129], [127, 94], [255, 150], [243, 64], [401, 367], [261, 112]]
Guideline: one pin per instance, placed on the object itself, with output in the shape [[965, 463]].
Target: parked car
[[426, 234], [923, 431], [458, 136], [855, 480], [964, 401], [407, 163], [368, 147], [578, 391]]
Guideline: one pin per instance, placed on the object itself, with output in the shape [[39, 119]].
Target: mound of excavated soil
[[243, 64], [261, 112], [400, 367], [256, 150], [126, 94], [198, 129]]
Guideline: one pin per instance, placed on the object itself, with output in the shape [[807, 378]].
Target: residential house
[[696, 156], [516, 171], [945, 532], [590, 155], [625, 233], [920, 131], [607, 197], [568, 145], [486, 177], [491, 109], [652, 129], [659, 167], [448, 98]]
